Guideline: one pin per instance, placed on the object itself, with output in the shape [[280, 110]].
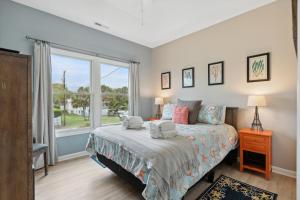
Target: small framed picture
[[216, 73], [258, 67], [166, 80], [188, 77]]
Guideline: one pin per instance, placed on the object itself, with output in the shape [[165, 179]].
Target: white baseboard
[[72, 156], [285, 172]]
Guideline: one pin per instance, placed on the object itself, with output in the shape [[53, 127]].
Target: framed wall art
[[258, 67], [188, 77], [216, 73], [166, 80]]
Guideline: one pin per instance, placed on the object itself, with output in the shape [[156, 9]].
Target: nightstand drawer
[[259, 148], [253, 139]]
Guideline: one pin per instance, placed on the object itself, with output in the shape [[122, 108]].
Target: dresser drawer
[[254, 143], [259, 148], [254, 139]]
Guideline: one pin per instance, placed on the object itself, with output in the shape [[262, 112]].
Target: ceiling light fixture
[[101, 25]]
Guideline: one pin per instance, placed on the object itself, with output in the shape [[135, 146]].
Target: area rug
[[226, 188]]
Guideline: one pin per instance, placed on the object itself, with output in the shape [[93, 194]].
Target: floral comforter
[[210, 143]]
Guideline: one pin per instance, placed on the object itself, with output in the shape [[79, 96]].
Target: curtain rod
[[66, 47]]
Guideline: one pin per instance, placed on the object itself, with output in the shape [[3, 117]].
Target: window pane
[[71, 92], [114, 91]]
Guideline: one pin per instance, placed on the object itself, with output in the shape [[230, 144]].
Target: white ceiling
[[163, 20]]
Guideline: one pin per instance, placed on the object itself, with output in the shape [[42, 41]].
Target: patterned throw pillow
[[168, 111], [181, 115], [212, 114]]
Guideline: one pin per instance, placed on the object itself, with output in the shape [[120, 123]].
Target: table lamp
[[158, 101], [256, 101]]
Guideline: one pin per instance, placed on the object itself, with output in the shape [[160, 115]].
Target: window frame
[[95, 85]]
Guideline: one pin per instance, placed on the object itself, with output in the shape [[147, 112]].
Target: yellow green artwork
[[258, 68]]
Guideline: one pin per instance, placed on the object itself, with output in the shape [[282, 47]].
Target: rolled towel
[[162, 129], [163, 125], [168, 134], [133, 122], [163, 134]]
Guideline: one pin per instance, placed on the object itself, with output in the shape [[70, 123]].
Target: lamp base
[[256, 124], [158, 112]]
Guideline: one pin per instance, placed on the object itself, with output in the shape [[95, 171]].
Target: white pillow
[[168, 111]]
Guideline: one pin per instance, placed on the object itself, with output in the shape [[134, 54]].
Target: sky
[[78, 73]]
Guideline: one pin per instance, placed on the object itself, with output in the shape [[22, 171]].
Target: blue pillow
[[212, 114], [168, 111]]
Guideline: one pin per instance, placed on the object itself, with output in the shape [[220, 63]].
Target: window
[[71, 92], [87, 91], [114, 93]]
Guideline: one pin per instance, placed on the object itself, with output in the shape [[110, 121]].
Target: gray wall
[[17, 21], [266, 29]]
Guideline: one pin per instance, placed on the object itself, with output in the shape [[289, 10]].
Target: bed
[[165, 169]]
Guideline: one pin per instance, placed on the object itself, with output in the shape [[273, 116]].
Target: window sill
[[71, 132], [113, 124]]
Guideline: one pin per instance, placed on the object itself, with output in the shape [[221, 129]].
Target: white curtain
[[134, 90], [42, 125]]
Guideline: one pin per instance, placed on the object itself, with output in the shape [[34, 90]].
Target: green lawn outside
[[110, 120], [76, 121]]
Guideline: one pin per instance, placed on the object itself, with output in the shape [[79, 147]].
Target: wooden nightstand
[[256, 151], [153, 119]]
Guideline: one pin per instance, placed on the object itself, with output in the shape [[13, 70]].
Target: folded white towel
[[163, 125], [163, 134], [162, 129], [133, 122]]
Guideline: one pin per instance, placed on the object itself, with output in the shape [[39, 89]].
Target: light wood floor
[[83, 179]]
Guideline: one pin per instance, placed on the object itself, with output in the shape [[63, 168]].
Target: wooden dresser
[[256, 151], [16, 179]]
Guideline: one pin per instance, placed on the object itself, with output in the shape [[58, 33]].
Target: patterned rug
[[226, 188]]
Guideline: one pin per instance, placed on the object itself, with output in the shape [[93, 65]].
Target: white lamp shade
[[257, 101], [159, 101]]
